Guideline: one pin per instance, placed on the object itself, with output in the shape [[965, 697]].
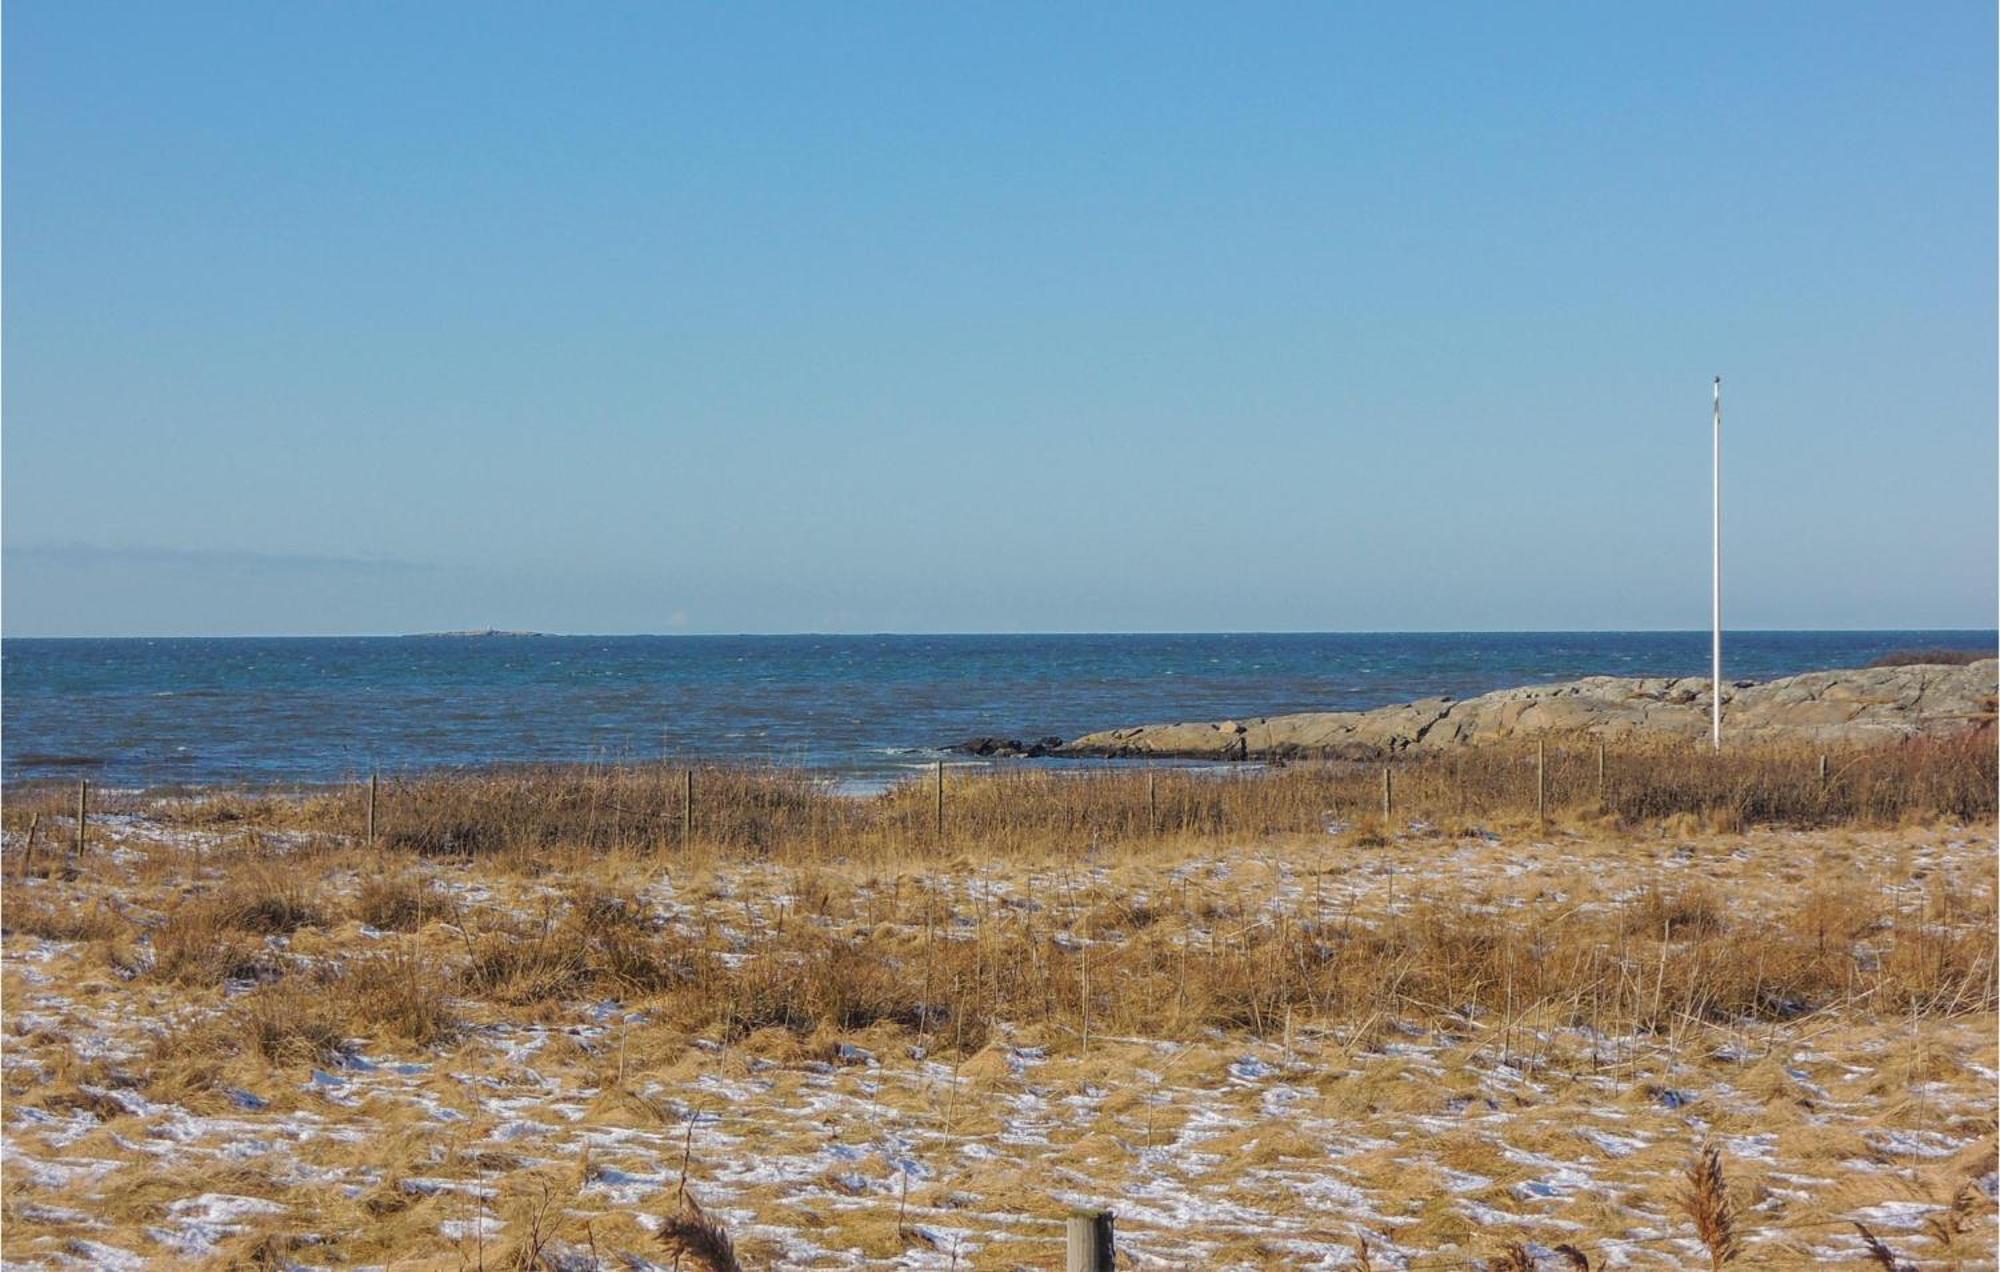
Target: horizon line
[[523, 634]]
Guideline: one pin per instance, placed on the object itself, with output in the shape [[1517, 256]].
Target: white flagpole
[[1715, 670]]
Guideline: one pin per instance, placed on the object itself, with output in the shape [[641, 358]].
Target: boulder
[[1009, 747]]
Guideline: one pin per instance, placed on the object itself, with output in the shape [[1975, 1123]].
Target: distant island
[[484, 631]]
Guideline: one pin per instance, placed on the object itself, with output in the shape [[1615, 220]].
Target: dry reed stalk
[[690, 1235], [1514, 1257], [1878, 1252], [1705, 1199], [1947, 1226]]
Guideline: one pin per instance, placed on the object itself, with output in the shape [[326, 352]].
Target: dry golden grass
[[537, 815], [1264, 1023]]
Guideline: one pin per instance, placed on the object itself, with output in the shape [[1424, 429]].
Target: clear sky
[[352, 317]]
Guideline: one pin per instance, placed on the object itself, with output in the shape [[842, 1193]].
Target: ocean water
[[866, 708]]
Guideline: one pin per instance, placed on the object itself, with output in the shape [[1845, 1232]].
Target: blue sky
[[373, 318]]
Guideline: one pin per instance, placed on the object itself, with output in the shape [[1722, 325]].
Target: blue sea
[[867, 709]]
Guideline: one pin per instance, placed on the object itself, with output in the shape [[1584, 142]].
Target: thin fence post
[[1152, 802], [1388, 793], [1600, 771], [937, 809], [82, 812], [1541, 779], [687, 806], [373, 781], [1822, 769], [1083, 995], [28, 853], [1091, 1248]]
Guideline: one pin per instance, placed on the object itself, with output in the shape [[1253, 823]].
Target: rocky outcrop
[[1010, 747], [1866, 705]]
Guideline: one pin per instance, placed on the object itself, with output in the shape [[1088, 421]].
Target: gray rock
[[1861, 705], [1009, 747]]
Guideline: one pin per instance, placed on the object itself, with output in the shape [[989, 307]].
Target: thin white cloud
[[82, 556]]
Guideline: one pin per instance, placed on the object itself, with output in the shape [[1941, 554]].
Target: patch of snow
[[1898, 1215], [1915, 1143]]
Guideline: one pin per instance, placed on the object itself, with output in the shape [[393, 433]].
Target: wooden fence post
[[1091, 1247], [1541, 781], [687, 806], [1600, 771], [1822, 770], [1083, 993], [28, 853], [1152, 802], [1388, 793], [82, 811], [373, 781], [937, 809]]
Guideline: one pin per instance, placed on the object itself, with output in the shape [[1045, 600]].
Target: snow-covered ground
[[1426, 1139]]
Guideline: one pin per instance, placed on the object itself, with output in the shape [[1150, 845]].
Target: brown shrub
[[193, 946], [33, 912], [395, 993], [269, 902], [1693, 910], [508, 968], [285, 1027], [397, 904]]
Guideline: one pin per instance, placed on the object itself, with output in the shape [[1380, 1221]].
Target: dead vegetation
[[1016, 1015], [695, 1240], [1709, 1208], [551, 816]]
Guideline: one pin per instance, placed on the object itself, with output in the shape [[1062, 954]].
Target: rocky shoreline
[[1853, 706]]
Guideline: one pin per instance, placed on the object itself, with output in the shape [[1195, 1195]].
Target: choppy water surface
[[137, 712]]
